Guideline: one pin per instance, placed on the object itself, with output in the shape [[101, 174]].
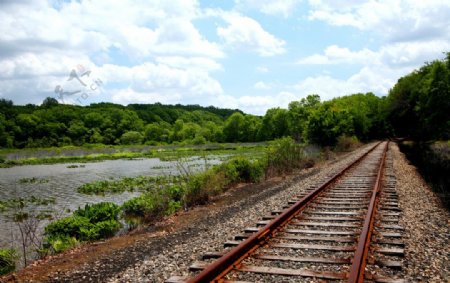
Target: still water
[[61, 183]]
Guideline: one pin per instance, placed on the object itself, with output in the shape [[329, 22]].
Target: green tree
[[299, 112], [233, 129], [131, 137], [49, 102], [436, 112], [77, 132], [95, 136], [94, 120], [153, 132], [274, 124]]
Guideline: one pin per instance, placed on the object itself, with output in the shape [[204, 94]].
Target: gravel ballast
[[426, 222]]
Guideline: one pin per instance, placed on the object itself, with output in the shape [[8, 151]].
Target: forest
[[417, 107]]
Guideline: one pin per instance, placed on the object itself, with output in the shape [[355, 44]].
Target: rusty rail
[[359, 261], [224, 264]]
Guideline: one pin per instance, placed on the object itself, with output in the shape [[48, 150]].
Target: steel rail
[[227, 262], [359, 261]]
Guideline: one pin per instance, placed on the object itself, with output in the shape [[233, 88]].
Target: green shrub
[[99, 212], [199, 140], [73, 226], [141, 183], [346, 143], [131, 137], [7, 260], [106, 229], [247, 171], [93, 222], [150, 206], [175, 192], [61, 243], [284, 155], [197, 189]]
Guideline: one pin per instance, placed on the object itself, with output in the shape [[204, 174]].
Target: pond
[[60, 181]]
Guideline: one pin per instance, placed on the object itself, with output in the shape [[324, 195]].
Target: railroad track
[[346, 229]]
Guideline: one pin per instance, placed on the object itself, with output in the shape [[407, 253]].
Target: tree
[[49, 102], [95, 136], [94, 120], [131, 137], [327, 122], [77, 132], [274, 124], [153, 132], [436, 112], [5, 139], [299, 112], [234, 128]]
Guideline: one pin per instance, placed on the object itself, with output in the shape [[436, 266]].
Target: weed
[[346, 143], [7, 260], [93, 222], [141, 183], [33, 180]]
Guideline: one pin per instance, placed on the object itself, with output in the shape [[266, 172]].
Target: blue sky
[[246, 54]]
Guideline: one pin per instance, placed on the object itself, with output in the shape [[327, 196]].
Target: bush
[[284, 155], [99, 212], [72, 226], [199, 189], [131, 137], [152, 205], [106, 229], [346, 143], [61, 243], [7, 260], [94, 222], [199, 140], [241, 169]]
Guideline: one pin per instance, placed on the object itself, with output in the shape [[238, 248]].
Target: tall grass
[[284, 156]]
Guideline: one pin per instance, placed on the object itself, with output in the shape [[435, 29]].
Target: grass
[[165, 153], [130, 184], [23, 202]]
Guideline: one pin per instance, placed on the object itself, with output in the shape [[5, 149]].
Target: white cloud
[[247, 34], [379, 69], [262, 86], [262, 69], [337, 55], [257, 104], [395, 20], [41, 43], [270, 7], [393, 55], [152, 83], [197, 63], [327, 87]]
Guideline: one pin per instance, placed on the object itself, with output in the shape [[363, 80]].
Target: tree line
[[417, 107]]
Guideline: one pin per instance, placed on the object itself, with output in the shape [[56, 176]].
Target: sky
[[247, 54]]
